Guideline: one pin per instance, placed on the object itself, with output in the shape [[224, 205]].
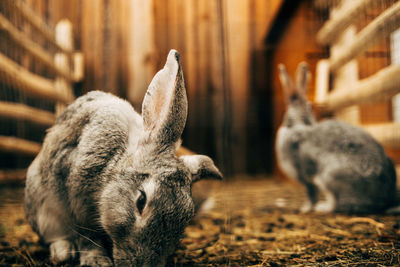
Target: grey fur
[[100, 162], [342, 162]]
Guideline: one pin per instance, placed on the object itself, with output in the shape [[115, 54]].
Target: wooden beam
[[346, 14], [32, 47], [19, 146], [388, 134], [24, 112], [36, 21], [380, 86], [12, 176], [30, 83], [374, 32]]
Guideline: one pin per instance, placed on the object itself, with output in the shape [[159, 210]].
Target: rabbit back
[[351, 164], [66, 177]]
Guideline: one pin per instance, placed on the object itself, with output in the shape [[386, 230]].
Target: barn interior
[[52, 52]]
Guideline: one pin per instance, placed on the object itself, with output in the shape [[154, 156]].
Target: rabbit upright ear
[[303, 76], [286, 81], [164, 108], [201, 167]]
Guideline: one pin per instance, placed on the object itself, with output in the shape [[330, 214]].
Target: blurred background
[[54, 51]]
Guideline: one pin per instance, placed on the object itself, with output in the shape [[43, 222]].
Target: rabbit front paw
[[61, 251], [324, 206], [95, 257]]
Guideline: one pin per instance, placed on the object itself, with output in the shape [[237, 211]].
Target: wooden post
[[346, 75], [64, 39], [322, 81], [78, 67]]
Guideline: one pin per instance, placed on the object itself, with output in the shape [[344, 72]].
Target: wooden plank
[[92, 44], [24, 112], [348, 12], [28, 82], [238, 48], [388, 134], [12, 176], [142, 47], [218, 76], [36, 21], [373, 33], [33, 48], [19, 146], [378, 87], [191, 49]]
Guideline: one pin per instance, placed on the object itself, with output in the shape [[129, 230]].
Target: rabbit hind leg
[[53, 228]]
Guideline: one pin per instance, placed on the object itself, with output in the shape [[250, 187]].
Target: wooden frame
[[32, 47], [58, 90], [33, 19], [352, 92], [31, 84], [344, 17], [382, 26]]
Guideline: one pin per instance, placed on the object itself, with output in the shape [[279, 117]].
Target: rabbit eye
[[141, 201]]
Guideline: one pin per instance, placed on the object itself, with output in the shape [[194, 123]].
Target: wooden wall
[[225, 61], [229, 51], [221, 42], [101, 31], [292, 40]]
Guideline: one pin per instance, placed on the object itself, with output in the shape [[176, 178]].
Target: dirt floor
[[252, 223]]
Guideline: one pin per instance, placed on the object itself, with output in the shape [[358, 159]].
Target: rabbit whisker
[[88, 239], [87, 228]]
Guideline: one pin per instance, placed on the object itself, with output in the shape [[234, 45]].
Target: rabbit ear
[[286, 81], [164, 108], [303, 76], [201, 167]]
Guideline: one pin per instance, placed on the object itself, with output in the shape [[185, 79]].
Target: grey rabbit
[[342, 162], [107, 185]]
